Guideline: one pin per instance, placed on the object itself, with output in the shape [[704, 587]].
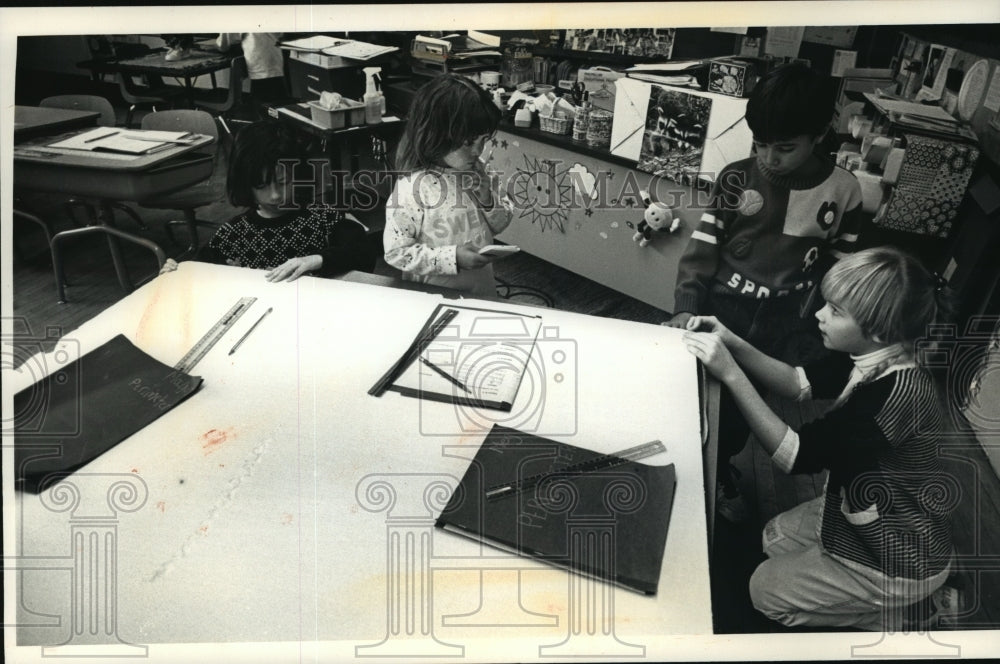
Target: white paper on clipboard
[[727, 138]]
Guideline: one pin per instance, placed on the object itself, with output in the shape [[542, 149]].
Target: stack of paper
[[343, 48], [134, 141]]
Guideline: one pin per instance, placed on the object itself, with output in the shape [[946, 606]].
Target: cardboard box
[[734, 77]]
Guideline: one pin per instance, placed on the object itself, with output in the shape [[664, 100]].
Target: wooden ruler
[[598, 463], [205, 344]]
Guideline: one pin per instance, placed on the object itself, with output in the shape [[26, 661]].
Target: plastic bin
[[350, 114]]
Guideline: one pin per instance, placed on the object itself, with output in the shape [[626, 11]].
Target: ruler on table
[[598, 463], [210, 338]]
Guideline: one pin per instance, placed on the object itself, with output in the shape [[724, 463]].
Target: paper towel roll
[[872, 190], [890, 167], [875, 148]]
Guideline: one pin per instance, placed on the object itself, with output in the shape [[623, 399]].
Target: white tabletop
[[258, 514]]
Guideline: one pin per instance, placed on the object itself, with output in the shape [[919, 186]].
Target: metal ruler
[[598, 463], [205, 344]]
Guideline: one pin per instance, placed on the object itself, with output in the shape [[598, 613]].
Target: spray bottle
[[373, 99]]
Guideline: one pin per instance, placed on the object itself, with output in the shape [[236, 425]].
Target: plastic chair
[[222, 102], [198, 195], [135, 95], [84, 103], [108, 118]]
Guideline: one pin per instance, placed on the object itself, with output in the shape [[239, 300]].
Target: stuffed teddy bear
[[657, 218]]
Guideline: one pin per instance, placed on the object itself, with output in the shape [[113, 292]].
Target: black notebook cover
[[609, 523], [82, 409]]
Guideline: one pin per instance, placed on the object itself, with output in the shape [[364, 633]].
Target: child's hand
[[713, 353], [489, 184], [467, 257], [710, 324], [679, 320], [294, 268], [169, 266]]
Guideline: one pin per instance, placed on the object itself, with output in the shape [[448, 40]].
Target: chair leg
[[191, 223], [113, 236]]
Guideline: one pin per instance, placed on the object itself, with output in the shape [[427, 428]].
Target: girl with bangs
[[446, 207], [287, 235], [879, 539]]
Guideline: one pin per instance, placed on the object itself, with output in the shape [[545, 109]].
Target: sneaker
[[928, 613], [176, 54], [946, 600], [730, 504]]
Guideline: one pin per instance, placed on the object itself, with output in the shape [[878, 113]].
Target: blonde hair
[[893, 298]]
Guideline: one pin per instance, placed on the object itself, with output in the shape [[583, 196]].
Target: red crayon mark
[[162, 506], [203, 529], [214, 438], [286, 519], [135, 470]]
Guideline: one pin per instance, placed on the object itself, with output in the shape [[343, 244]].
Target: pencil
[[97, 138], [252, 328], [444, 374]]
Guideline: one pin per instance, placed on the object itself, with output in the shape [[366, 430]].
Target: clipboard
[[609, 524], [477, 358]]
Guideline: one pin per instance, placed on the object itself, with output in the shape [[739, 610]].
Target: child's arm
[[497, 208], [777, 376], [700, 259], [769, 429], [403, 224]]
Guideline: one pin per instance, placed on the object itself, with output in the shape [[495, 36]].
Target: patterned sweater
[[250, 240], [887, 505], [765, 235], [427, 218]]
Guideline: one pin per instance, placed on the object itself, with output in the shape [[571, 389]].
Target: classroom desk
[[31, 121], [197, 63], [360, 150], [268, 506], [107, 176]]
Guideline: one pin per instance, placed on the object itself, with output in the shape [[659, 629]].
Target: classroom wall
[[57, 54]]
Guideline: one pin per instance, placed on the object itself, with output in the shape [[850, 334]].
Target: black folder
[[87, 406], [609, 523]]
